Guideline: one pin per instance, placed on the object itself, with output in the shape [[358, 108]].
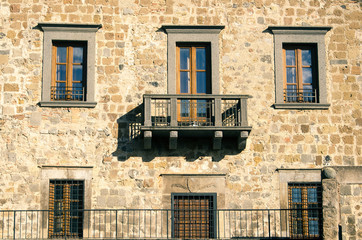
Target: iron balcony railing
[[300, 95], [67, 93], [162, 224], [195, 110]]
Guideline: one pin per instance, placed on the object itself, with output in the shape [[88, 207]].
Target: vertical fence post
[[269, 223], [167, 223], [116, 224], [14, 225]]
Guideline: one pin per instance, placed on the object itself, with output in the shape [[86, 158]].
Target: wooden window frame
[[299, 84], [193, 79], [69, 94], [303, 215]]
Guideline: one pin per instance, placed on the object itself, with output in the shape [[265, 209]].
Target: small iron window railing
[[300, 95], [67, 93]]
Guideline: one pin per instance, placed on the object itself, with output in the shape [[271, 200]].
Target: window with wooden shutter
[[66, 198], [193, 215], [300, 78], [68, 71], [305, 214]]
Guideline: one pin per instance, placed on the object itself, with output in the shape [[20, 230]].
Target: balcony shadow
[[130, 143]]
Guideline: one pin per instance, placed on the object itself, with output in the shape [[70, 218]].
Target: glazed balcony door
[[193, 77]]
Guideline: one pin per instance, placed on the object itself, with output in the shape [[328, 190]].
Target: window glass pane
[[291, 75], [184, 58], [306, 57], [61, 72], [201, 58], [61, 54], [184, 82], [296, 195], [313, 227], [201, 82], [307, 75], [77, 72], [78, 55], [201, 111], [185, 108], [290, 57], [58, 192], [312, 195]]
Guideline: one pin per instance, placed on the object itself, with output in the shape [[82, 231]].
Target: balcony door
[[193, 77]]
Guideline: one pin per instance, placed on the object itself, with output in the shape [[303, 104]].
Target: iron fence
[[158, 224]]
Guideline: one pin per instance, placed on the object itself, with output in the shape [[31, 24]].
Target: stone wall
[[131, 60]]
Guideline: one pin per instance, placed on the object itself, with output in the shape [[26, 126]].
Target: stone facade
[[131, 60]]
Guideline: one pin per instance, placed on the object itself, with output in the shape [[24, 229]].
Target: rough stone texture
[[131, 60]]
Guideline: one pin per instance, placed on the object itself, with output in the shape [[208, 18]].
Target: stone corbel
[[242, 139], [173, 140], [217, 140], [147, 139]]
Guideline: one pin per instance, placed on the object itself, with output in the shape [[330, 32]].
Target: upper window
[[300, 80], [193, 59], [68, 65], [305, 214], [300, 75], [68, 72]]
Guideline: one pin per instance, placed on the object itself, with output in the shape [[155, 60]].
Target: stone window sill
[[302, 106], [67, 104]]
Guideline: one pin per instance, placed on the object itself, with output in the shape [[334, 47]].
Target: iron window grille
[[66, 204], [193, 216], [305, 215]]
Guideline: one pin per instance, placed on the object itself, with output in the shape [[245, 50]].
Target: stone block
[[346, 190], [11, 87], [346, 210]]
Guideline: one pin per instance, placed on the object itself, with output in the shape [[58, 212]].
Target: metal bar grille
[[65, 201], [300, 95], [67, 93], [193, 216], [305, 217]]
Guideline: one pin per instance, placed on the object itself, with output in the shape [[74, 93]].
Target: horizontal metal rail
[[300, 95], [160, 224], [195, 110], [67, 93]]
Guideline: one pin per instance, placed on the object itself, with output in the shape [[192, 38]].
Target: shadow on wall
[[130, 143]]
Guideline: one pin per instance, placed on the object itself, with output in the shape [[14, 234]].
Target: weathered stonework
[[131, 60]]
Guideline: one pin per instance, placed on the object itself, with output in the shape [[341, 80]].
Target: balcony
[[195, 115], [162, 224]]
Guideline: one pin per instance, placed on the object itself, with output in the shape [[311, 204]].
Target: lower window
[[66, 204], [193, 215], [305, 214]]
